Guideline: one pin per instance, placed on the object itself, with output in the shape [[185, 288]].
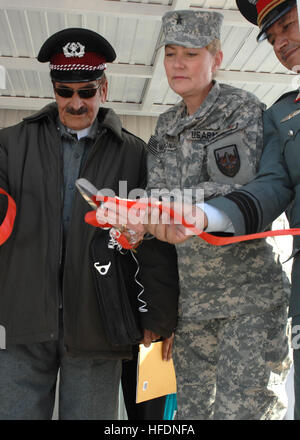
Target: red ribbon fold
[[8, 223]]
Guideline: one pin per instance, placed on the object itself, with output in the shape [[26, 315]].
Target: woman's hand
[[164, 220], [170, 228]]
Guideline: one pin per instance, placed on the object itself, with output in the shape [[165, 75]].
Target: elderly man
[[49, 308]]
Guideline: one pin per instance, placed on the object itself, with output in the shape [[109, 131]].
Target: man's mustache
[[287, 50], [78, 112]]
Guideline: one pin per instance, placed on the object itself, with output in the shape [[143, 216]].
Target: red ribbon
[[90, 218], [8, 223]]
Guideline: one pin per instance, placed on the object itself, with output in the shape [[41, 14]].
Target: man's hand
[[155, 220], [167, 348], [130, 222], [149, 337]]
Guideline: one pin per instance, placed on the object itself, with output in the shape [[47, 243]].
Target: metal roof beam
[[114, 69], [233, 76], [107, 7], [119, 8]]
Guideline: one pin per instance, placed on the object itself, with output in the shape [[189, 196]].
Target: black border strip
[[248, 208]]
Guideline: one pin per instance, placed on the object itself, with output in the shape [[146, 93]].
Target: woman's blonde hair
[[214, 46]]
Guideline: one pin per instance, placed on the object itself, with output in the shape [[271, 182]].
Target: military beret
[[264, 13], [190, 28], [76, 55]]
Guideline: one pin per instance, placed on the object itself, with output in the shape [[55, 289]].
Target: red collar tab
[[297, 98]]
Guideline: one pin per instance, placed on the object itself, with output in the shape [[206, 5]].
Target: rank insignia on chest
[[228, 160], [291, 116]]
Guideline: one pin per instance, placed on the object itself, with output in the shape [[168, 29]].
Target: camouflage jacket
[[216, 150]]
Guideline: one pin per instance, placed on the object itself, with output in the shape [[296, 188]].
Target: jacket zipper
[[60, 244]]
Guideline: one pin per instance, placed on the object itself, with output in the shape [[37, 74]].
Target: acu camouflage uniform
[[232, 305]]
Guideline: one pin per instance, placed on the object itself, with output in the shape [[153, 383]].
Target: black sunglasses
[[67, 92]]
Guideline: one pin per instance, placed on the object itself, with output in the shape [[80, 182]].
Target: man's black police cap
[[264, 13], [76, 55]]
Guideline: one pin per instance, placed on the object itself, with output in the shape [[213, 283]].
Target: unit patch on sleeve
[[228, 160]]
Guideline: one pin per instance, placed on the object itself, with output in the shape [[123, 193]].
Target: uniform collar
[[90, 132], [183, 121]]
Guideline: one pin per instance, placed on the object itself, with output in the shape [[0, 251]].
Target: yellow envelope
[[155, 377]]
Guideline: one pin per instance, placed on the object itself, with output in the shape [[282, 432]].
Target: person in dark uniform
[[257, 204]]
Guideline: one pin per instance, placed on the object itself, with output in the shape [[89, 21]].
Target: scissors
[[94, 198], [89, 193]]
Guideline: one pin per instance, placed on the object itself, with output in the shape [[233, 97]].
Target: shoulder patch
[[228, 160], [153, 146]]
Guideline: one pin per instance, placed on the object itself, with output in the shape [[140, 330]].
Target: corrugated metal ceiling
[[137, 84]]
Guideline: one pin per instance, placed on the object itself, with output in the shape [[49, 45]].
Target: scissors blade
[[88, 191]]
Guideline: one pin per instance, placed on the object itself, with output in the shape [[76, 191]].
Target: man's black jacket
[[31, 172]]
